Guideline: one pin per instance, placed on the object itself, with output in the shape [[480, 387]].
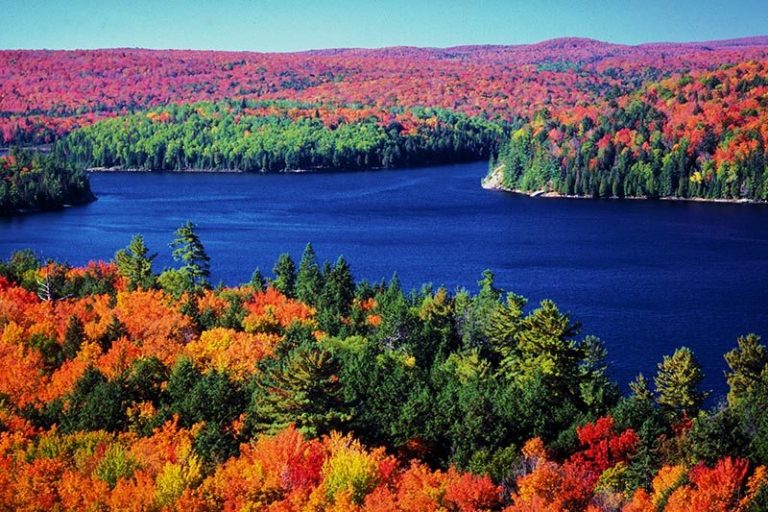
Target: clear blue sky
[[290, 25]]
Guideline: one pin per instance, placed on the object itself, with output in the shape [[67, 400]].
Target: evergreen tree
[[73, 337], [305, 390], [309, 281], [95, 404], [135, 263], [115, 330], [336, 299], [503, 328], [475, 319], [678, 381], [189, 250], [258, 281], [748, 365], [285, 275], [546, 350]]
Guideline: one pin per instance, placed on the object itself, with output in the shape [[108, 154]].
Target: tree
[[475, 317], [258, 281], [73, 337], [748, 365], [305, 390], [285, 275], [309, 281], [189, 250], [95, 403], [677, 383], [134, 263], [546, 349], [335, 301]]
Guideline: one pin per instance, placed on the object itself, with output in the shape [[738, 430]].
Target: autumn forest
[[572, 117], [303, 389], [124, 386]]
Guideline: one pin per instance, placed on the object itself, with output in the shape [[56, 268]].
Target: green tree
[[304, 390], [748, 365], [258, 281], [678, 382], [189, 251], [95, 404], [546, 349], [285, 275], [336, 299], [135, 263], [309, 281], [73, 337]]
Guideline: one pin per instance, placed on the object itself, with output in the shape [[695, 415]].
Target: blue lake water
[[645, 276]]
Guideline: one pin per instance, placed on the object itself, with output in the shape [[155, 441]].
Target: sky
[[293, 25]]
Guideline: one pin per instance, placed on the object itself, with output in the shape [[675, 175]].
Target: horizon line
[[415, 47]]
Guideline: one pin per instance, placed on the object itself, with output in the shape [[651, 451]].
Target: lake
[[645, 276]]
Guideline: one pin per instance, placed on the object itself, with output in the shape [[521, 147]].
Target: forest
[[278, 136], [126, 387], [701, 134], [571, 116], [34, 181]]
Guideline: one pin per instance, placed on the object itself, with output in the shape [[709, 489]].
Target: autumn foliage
[[45, 94], [120, 397]]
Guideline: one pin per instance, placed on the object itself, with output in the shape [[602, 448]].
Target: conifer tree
[[678, 382], [335, 302], [748, 365], [305, 390], [189, 250], [73, 337], [285, 275], [309, 281], [135, 263]]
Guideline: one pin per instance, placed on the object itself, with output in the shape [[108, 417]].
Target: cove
[[645, 276]]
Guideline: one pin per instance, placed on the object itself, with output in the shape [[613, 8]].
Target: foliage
[[31, 181], [691, 135], [118, 396]]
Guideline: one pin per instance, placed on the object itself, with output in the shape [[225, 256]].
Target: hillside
[[45, 94], [697, 134]]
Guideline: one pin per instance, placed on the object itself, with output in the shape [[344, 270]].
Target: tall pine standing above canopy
[[285, 275], [189, 250]]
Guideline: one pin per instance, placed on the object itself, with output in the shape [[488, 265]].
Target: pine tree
[[305, 390], [134, 263], [115, 330], [335, 302], [189, 250], [749, 368], [285, 275], [258, 281], [73, 337], [309, 281], [546, 350], [677, 383]]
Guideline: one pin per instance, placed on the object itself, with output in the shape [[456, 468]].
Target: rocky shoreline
[[493, 182]]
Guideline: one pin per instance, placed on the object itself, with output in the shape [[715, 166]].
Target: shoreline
[[137, 170], [493, 182]]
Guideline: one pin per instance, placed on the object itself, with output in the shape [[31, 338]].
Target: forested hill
[[45, 94], [696, 134], [277, 136]]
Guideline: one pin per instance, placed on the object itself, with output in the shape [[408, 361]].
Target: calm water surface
[[645, 276]]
